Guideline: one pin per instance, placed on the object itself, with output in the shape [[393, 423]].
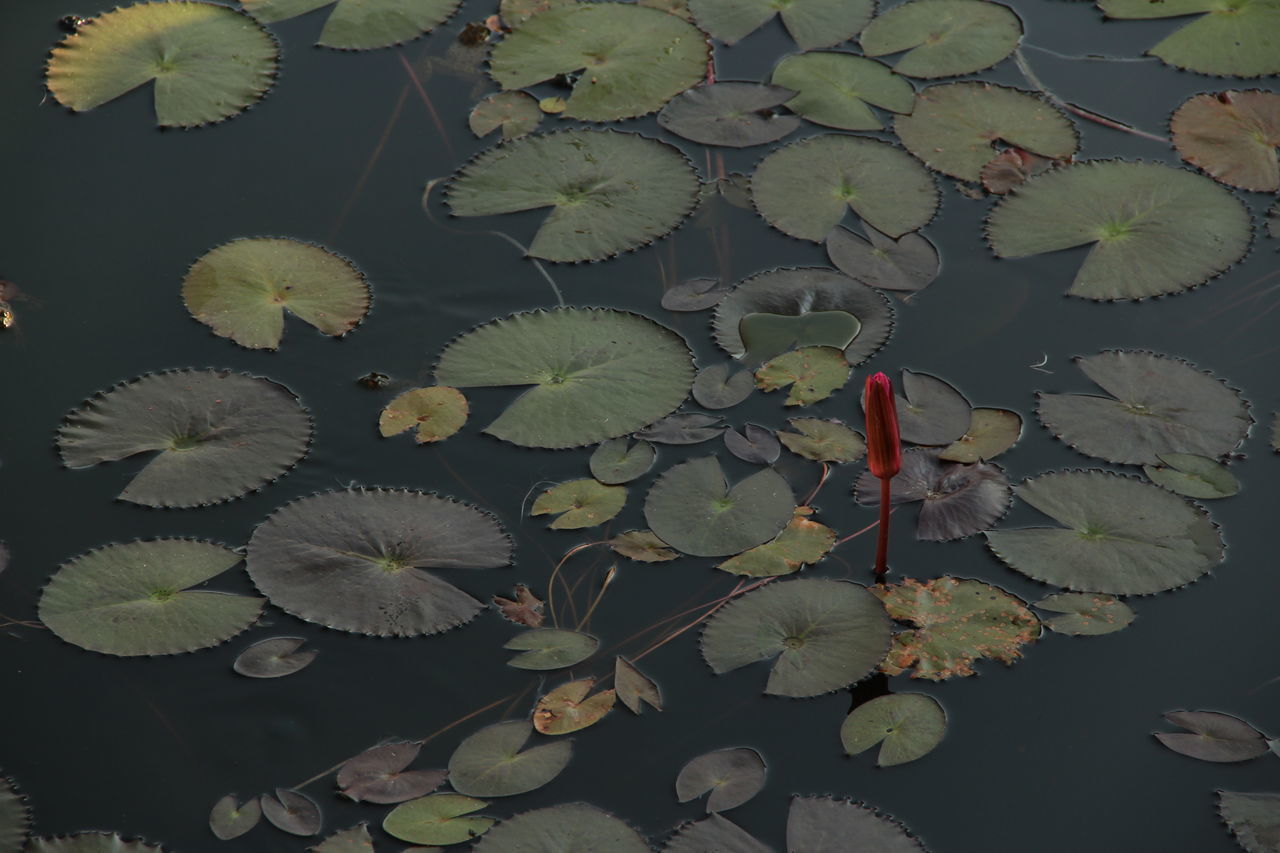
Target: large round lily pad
[[1154, 229], [943, 38], [804, 189], [838, 89], [219, 435], [812, 23], [493, 762], [208, 62], [136, 599], [1119, 536], [361, 24], [608, 192], [633, 59], [355, 560], [595, 373], [824, 634], [1240, 38], [558, 829], [1232, 136]]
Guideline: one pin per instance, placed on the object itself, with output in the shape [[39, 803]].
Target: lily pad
[[14, 818], [767, 336], [1085, 614], [291, 811], [433, 413], [228, 819], [683, 428], [1232, 136], [618, 460], [242, 290], [355, 839], [595, 373], [361, 24], [550, 648], [355, 560], [525, 610], [754, 444], [1154, 229], [696, 294], [516, 113], [219, 435], [811, 374], [955, 128], [906, 725], [633, 59], [990, 433], [932, 410], [957, 623], [493, 762], [573, 826], [90, 842], [634, 687], [692, 508], [609, 192], [1158, 405], [824, 634], [803, 189], [273, 658], [823, 440], [1120, 536], [136, 599], [518, 11], [1193, 476], [378, 775], [1211, 736], [437, 819], [734, 115], [959, 500], [731, 776], [907, 264], [812, 23], [943, 38], [581, 503], [722, 386], [838, 89], [1254, 819], [714, 834], [802, 541], [209, 62], [569, 708], [643, 546], [824, 825], [1233, 39]]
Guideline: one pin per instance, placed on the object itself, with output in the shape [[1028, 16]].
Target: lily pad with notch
[[811, 23], [722, 386], [837, 89], [572, 706], [1193, 476], [634, 687], [731, 777], [291, 811], [1234, 39], [823, 440], [1213, 736], [755, 444], [825, 825], [228, 818], [572, 826], [1085, 614], [959, 499], [1232, 136], [803, 541], [907, 264], [730, 114], [683, 428], [361, 24], [906, 725], [379, 775], [580, 503], [494, 762], [930, 410], [515, 113], [433, 413], [438, 819], [642, 546], [550, 648], [766, 336], [811, 374], [273, 658], [714, 834], [990, 433], [619, 460], [943, 38]]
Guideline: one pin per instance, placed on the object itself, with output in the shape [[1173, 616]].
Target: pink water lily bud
[[884, 447]]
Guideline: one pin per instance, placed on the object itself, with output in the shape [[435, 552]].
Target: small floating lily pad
[[959, 500], [812, 23], [838, 89], [580, 503], [1232, 136], [802, 541], [731, 776], [1233, 39], [907, 264], [697, 294], [1254, 819], [930, 410], [1193, 476], [572, 706], [292, 811], [634, 687], [943, 38], [1212, 736], [525, 610], [378, 775], [735, 115], [767, 336], [811, 374], [1085, 614], [433, 413], [722, 386], [683, 428], [516, 113], [755, 444], [273, 658], [990, 433], [642, 546], [573, 826], [229, 819], [906, 725], [550, 648], [361, 24], [823, 440], [493, 762], [619, 460], [824, 825], [437, 819]]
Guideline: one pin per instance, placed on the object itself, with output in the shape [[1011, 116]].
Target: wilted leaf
[[1236, 39], [516, 113], [732, 776], [1011, 168], [436, 413], [353, 840], [802, 541], [437, 819], [584, 503], [722, 386], [735, 115], [943, 38], [813, 374], [634, 687], [696, 294], [619, 461], [1212, 736], [907, 264], [683, 428], [568, 708], [1085, 614], [559, 829], [227, 820], [1254, 819], [754, 444], [525, 610], [361, 24], [1193, 476], [990, 433], [643, 546], [823, 825], [550, 648], [291, 811], [378, 775], [908, 725], [823, 440], [958, 500], [273, 658], [838, 89], [494, 763], [812, 23]]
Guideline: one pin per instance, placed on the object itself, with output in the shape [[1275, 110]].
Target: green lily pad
[[633, 59], [618, 460], [15, 818], [437, 819], [990, 433], [355, 839], [1193, 476], [1212, 736], [735, 115], [1154, 229], [824, 825], [219, 435], [516, 113], [209, 62], [691, 508], [714, 834], [550, 648], [957, 622], [433, 413], [1232, 136], [583, 503], [1236, 39], [355, 560], [1254, 819], [136, 599], [812, 374], [493, 762], [228, 819], [1159, 405], [634, 687], [1085, 614], [242, 290], [955, 128], [802, 541], [823, 440], [90, 842], [361, 24], [839, 89], [824, 634], [642, 546], [930, 410], [595, 373], [731, 776], [558, 829], [609, 191], [518, 11], [909, 263], [803, 189], [943, 38], [907, 725], [812, 23], [768, 336], [722, 386], [1120, 536]]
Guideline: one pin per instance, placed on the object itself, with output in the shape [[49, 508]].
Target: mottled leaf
[[569, 708], [582, 503], [356, 839], [643, 546], [811, 374], [435, 413], [525, 610], [802, 541]]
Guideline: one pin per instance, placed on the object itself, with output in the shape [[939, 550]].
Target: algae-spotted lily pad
[[437, 819], [219, 435], [802, 541], [1211, 736], [229, 818], [943, 38], [812, 23], [954, 128], [1085, 614], [735, 115], [559, 829], [906, 725], [805, 188], [619, 460], [1158, 405], [990, 433], [1193, 476], [909, 263], [642, 546], [1119, 536], [1236, 39], [633, 59], [571, 707], [821, 635], [516, 113], [634, 687], [208, 62], [1254, 819], [1232, 136], [90, 842], [731, 776], [810, 375], [550, 648], [14, 818], [957, 622], [595, 373], [580, 503], [355, 839], [1154, 229], [714, 834], [692, 508], [959, 500], [137, 599], [361, 24], [824, 825], [378, 775], [767, 336], [930, 410], [823, 440], [273, 658], [839, 89], [433, 413], [493, 762], [355, 560], [242, 290], [292, 811]]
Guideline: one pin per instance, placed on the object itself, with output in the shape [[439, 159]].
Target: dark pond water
[[105, 213]]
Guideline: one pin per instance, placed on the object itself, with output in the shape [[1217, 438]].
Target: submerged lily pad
[[735, 115], [516, 113], [1154, 229], [1120, 536], [1159, 405], [908, 264], [354, 560], [824, 634], [136, 599], [906, 725], [618, 460], [573, 826], [609, 192], [943, 38], [1254, 819], [1085, 614], [990, 433], [731, 776], [571, 707], [824, 825], [378, 775], [595, 373], [1193, 476], [220, 435], [959, 500], [811, 374], [812, 23], [955, 128], [437, 819], [493, 762], [1211, 736], [698, 294], [361, 24], [273, 658], [692, 508], [1232, 136], [433, 413], [823, 440], [633, 59], [14, 818], [755, 444], [838, 89], [550, 648], [228, 819], [1236, 39], [805, 188], [209, 62], [580, 503]]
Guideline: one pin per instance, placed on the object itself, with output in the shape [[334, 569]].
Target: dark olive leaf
[[559, 829], [1236, 40], [735, 115], [1085, 614], [714, 834], [959, 500], [378, 775], [823, 440], [494, 763], [579, 503], [907, 264], [943, 38], [907, 725], [229, 819], [525, 610], [15, 818], [273, 658], [683, 428], [696, 294], [356, 839], [1193, 476], [766, 336], [731, 776], [824, 825], [634, 687], [990, 433], [643, 546], [812, 23], [838, 89], [437, 819], [692, 508], [932, 410], [1254, 819], [550, 648], [717, 387], [733, 189], [4, 556], [1212, 736], [754, 444], [361, 24], [619, 461], [291, 811]]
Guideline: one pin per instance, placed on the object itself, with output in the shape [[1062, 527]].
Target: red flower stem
[[882, 535]]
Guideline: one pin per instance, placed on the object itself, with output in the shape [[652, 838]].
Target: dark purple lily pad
[[292, 811], [1212, 736], [908, 264], [754, 444], [683, 428], [959, 500], [378, 775]]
